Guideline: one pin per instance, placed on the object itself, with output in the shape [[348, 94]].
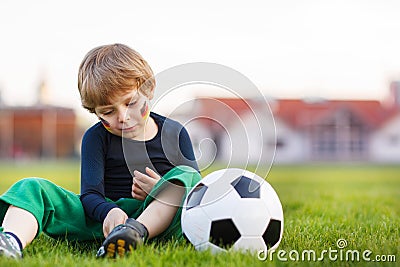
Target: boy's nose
[[123, 115]]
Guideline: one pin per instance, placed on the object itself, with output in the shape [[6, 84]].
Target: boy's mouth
[[127, 129]]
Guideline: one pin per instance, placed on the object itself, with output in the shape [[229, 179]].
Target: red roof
[[297, 112], [221, 110]]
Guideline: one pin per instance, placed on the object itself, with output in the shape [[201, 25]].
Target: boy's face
[[127, 114]]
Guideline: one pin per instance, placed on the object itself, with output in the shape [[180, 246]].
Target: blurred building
[[307, 130], [38, 131], [334, 130]]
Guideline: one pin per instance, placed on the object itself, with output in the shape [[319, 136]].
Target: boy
[[136, 167]]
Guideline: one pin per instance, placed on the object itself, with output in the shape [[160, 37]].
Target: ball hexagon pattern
[[233, 209]]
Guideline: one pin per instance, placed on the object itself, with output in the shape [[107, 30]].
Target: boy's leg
[[58, 212], [158, 217], [159, 214], [162, 208], [154, 220], [22, 223], [170, 190]]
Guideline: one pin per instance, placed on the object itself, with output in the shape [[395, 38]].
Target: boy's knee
[[186, 169], [31, 182]]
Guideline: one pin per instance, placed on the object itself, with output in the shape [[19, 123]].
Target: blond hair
[[109, 70]]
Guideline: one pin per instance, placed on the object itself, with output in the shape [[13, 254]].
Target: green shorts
[[60, 213]]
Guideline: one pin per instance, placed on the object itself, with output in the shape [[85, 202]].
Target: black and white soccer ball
[[233, 209]]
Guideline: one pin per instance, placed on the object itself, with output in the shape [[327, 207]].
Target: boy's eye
[[107, 112], [130, 104]]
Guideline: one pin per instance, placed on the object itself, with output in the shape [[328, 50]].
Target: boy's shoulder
[[95, 130], [166, 123], [97, 127]]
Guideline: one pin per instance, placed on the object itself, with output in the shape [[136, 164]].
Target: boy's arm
[[92, 173], [186, 150]]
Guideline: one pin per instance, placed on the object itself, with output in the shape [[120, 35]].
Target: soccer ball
[[233, 209]]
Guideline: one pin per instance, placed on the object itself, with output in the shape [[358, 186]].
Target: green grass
[[322, 204]]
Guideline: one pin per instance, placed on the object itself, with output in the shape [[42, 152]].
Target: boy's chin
[[134, 135]]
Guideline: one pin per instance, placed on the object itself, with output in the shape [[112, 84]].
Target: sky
[[341, 49]]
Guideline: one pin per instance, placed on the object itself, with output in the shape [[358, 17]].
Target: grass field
[[322, 204]]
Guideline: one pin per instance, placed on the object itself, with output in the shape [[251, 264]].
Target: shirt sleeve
[[186, 148], [92, 175]]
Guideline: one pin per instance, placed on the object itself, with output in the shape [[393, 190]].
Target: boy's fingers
[[143, 178], [140, 196], [139, 178], [137, 190], [143, 183], [140, 182], [152, 173], [138, 193], [137, 173]]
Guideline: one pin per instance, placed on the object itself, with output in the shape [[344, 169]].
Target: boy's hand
[[115, 217], [142, 183]]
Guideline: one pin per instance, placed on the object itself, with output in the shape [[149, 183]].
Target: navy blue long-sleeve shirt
[[108, 162]]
